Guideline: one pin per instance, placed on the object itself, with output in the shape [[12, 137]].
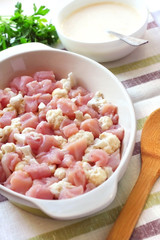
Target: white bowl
[[100, 51], [28, 58]]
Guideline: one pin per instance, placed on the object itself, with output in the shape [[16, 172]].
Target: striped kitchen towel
[[140, 74]]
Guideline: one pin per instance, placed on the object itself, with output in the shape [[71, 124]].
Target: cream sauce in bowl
[[89, 23]]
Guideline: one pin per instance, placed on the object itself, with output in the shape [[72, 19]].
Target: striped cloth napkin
[[140, 74]]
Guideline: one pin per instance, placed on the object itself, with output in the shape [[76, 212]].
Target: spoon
[[150, 171], [130, 40]]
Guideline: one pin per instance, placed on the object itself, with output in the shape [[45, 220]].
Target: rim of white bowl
[[115, 41], [118, 172]]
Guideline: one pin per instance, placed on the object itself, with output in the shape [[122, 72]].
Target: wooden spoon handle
[[130, 213]]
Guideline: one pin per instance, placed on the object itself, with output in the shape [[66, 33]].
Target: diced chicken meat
[[58, 140]]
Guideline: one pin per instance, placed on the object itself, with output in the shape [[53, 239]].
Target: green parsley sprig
[[20, 28]]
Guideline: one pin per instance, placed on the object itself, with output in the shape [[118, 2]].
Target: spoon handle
[[130, 40], [130, 213]]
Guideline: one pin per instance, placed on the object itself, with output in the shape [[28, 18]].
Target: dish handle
[[81, 206]]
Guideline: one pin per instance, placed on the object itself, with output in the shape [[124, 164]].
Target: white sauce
[[89, 24]]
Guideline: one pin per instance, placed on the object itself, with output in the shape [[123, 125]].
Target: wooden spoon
[[150, 171]]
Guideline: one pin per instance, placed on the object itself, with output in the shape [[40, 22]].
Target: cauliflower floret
[[86, 166], [82, 134], [108, 171], [25, 150], [20, 165], [60, 173], [4, 133], [8, 108], [105, 122], [69, 82], [86, 116], [20, 138], [97, 101], [96, 175], [28, 130], [80, 117], [55, 117], [27, 154], [8, 90], [8, 147], [17, 102], [56, 188], [85, 157], [89, 148], [62, 141], [16, 123], [60, 93], [108, 142], [41, 106]]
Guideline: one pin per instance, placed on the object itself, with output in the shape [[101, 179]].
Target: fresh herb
[[21, 28]]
